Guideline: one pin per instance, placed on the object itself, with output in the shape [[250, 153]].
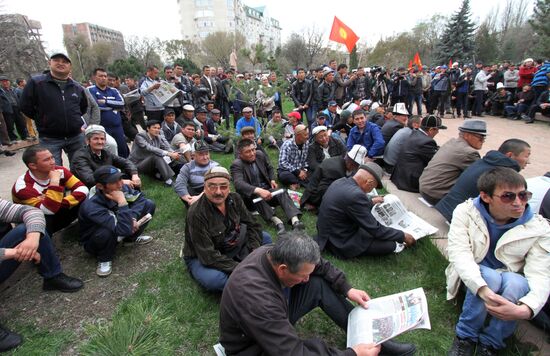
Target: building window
[[203, 3]]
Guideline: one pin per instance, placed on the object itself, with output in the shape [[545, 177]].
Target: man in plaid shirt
[[292, 169]]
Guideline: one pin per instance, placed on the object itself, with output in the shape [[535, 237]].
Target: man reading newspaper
[[499, 249]]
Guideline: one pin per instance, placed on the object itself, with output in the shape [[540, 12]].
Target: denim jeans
[[517, 109], [211, 279], [416, 98], [471, 324], [49, 262], [69, 144]]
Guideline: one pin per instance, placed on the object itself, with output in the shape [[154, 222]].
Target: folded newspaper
[[392, 213], [166, 92], [387, 317]]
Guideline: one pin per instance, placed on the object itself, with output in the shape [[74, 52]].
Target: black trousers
[[154, 164], [61, 219], [283, 200], [288, 178], [315, 293]]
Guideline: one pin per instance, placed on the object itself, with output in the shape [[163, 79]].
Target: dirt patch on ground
[[26, 303]]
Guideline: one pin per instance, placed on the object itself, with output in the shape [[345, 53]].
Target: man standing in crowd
[[301, 95], [341, 83], [56, 103], [480, 88], [153, 106], [112, 215], [219, 232], [499, 249], [274, 287], [253, 177], [51, 188], [93, 155], [451, 160], [417, 151], [110, 103], [11, 111], [345, 223], [513, 153]]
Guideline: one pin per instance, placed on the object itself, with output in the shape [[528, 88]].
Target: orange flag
[[417, 61], [343, 34], [450, 63], [410, 65]]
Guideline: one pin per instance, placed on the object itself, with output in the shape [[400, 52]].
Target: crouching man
[[112, 215], [500, 250], [219, 232]]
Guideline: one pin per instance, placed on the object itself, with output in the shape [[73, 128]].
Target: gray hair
[[294, 249]]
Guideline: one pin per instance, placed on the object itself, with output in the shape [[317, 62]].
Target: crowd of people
[[345, 130]]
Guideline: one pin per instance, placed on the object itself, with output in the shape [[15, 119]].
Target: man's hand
[[409, 240], [274, 185], [117, 196], [504, 309], [259, 142], [358, 296], [136, 181], [128, 183], [302, 175], [55, 177], [135, 226], [377, 200], [366, 349], [263, 193], [27, 248], [156, 85], [173, 155], [12, 254], [485, 293]]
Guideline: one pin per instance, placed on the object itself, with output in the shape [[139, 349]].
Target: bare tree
[[294, 50], [174, 49], [314, 44], [144, 49], [217, 47]]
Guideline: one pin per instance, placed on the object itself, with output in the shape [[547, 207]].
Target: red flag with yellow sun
[[343, 34]]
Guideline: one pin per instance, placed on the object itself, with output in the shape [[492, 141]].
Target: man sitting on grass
[[500, 250], [277, 285], [219, 232], [110, 216]]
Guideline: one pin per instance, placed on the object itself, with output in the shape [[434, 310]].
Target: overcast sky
[[160, 18]]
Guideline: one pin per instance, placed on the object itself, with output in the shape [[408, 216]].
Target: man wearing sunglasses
[[499, 249]]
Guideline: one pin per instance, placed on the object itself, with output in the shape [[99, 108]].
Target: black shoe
[[484, 350], [9, 339], [280, 228], [531, 121], [462, 347], [467, 117], [395, 348], [8, 153], [63, 283], [298, 225]]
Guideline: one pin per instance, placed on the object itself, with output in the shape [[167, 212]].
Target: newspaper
[[387, 317], [392, 213], [132, 96], [166, 92]]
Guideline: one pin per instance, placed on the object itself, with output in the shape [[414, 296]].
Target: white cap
[[94, 129], [500, 85], [318, 129], [188, 107], [375, 105], [358, 154], [400, 109]]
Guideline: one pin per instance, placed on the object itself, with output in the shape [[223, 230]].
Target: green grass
[[170, 314]]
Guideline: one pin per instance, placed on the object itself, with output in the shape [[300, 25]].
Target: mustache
[[218, 196]]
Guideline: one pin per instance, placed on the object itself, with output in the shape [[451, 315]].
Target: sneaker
[[62, 283], [168, 182], [462, 347], [143, 240], [104, 268], [298, 225], [8, 339], [484, 350]]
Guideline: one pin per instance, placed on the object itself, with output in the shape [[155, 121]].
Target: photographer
[[441, 86], [462, 89], [401, 87]]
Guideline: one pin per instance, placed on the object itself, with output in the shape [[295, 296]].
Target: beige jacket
[[523, 249]]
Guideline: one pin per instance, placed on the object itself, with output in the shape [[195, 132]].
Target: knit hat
[[217, 172]]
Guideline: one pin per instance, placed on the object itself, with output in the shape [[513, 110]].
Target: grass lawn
[[169, 314]]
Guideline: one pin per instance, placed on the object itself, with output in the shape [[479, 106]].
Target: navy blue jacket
[[98, 212], [466, 185], [57, 112]]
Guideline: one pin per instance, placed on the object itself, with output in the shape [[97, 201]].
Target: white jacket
[[480, 81], [523, 249]]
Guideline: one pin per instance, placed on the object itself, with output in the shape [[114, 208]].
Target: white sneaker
[[168, 182], [143, 240], [104, 268], [399, 247]]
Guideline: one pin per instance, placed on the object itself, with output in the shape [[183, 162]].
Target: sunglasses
[[509, 197]]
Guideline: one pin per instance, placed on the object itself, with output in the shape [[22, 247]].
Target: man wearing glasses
[[451, 160], [499, 249], [219, 232]]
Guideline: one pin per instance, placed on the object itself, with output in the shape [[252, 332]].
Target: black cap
[[107, 174], [201, 109], [169, 111], [430, 121], [201, 146]]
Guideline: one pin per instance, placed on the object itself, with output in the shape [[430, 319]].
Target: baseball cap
[[107, 174], [294, 114], [318, 129], [358, 154], [332, 103], [60, 55], [430, 121], [169, 111]]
